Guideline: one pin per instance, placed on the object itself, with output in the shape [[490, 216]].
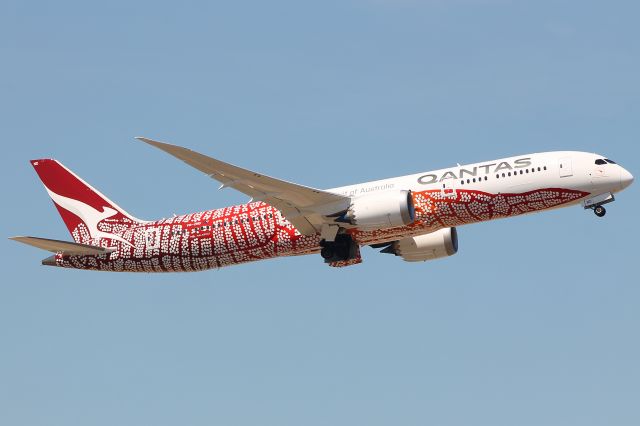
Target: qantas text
[[473, 171]]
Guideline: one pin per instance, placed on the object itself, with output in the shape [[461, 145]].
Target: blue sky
[[535, 320]]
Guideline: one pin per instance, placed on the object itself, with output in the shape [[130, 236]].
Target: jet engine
[[431, 246], [381, 210]]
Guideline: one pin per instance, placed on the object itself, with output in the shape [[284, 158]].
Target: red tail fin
[[89, 215]]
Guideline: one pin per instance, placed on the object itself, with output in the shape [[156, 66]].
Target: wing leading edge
[[306, 208]]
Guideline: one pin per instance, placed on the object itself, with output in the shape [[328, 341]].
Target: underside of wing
[[306, 208], [64, 247]]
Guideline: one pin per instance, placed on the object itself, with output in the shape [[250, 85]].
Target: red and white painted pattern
[[435, 210], [256, 231]]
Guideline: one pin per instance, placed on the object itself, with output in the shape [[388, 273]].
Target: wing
[[64, 247], [306, 208]]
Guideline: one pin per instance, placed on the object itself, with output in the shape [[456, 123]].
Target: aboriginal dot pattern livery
[[256, 231]]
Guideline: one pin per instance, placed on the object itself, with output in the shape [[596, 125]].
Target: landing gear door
[[447, 188], [565, 167]]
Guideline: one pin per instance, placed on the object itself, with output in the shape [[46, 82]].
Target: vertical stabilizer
[[89, 215]]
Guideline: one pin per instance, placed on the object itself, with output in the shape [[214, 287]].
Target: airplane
[[414, 217]]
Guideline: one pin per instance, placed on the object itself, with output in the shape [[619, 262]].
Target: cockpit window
[[600, 162], [609, 161]]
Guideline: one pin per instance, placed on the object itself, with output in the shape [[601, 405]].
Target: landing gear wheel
[[327, 253], [341, 249], [600, 211], [342, 252]]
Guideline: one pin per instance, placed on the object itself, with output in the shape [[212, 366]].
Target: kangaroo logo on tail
[[90, 216], [78, 202]]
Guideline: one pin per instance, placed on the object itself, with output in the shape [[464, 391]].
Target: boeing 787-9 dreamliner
[[414, 217]]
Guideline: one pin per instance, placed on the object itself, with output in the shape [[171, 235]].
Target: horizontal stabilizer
[[64, 247]]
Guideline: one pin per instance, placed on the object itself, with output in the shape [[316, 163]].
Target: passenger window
[[545, 167], [497, 176], [461, 183]]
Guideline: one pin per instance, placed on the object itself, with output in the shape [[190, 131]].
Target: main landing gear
[[342, 248]]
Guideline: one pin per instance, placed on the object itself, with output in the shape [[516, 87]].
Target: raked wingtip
[[151, 141]]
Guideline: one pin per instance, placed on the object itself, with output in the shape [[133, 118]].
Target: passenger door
[[448, 188], [565, 167], [152, 238]]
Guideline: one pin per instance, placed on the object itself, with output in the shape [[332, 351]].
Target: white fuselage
[[558, 169]]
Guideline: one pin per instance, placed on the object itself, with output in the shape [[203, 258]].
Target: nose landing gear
[[596, 203]]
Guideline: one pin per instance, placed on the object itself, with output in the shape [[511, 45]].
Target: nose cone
[[626, 178]]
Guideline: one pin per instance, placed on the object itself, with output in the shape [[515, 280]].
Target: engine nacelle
[[382, 210], [431, 246]]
